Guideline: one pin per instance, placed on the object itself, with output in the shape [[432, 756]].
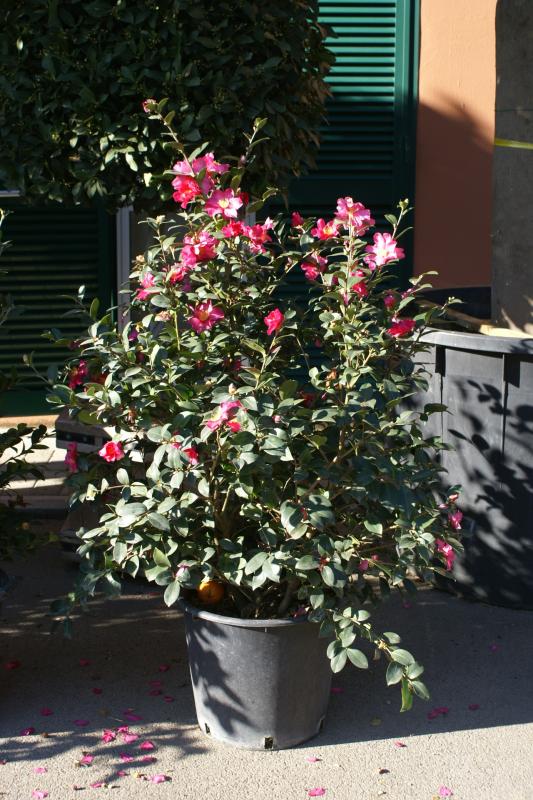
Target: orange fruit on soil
[[210, 592]]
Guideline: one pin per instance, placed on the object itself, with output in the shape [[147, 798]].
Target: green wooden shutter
[[54, 250], [367, 149]]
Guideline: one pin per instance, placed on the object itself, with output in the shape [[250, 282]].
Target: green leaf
[[172, 593], [339, 661], [120, 551], [420, 689], [373, 527], [291, 515], [392, 637], [160, 558], [306, 563], [255, 563], [123, 477], [357, 658], [394, 673], [402, 657], [158, 521], [407, 697]]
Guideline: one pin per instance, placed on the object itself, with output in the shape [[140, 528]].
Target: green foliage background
[[73, 76]]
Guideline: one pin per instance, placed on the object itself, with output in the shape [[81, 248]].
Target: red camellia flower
[[389, 301], [360, 289], [401, 327], [111, 451], [297, 220], [274, 321], [77, 375], [71, 458], [185, 190]]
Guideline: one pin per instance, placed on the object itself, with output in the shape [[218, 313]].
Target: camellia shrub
[[238, 474], [77, 70]]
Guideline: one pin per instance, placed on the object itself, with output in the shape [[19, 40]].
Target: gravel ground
[[478, 665]]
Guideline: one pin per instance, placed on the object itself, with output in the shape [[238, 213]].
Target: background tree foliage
[[73, 76]]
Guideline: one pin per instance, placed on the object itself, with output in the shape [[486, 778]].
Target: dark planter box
[[487, 384]]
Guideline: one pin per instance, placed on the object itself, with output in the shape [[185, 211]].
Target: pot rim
[[479, 342], [237, 622]]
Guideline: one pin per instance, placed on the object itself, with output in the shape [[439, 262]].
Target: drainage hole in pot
[[269, 743], [207, 729]]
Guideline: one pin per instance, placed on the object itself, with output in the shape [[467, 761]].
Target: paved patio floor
[[475, 656]]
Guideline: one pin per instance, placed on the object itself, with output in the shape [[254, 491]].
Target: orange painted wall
[[455, 132]]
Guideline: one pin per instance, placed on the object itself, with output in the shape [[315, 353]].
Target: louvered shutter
[[367, 149], [54, 251]]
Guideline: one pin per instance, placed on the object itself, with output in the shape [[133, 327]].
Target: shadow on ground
[[474, 655]]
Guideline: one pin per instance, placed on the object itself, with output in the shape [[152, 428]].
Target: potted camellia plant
[[276, 499]]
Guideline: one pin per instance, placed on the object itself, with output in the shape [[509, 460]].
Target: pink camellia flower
[[363, 565], [147, 281], [77, 375], [133, 335], [199, 247], [447, 551], [355, 214], [111, 451], [384, 250], [204, 316], [71, 457], [389, 301], [311, 271], [225, 414], [325, 230], [274, 321], [208, 163], [401, 327], [225, 202], [177, 273], [360, 289], [297, 220], [149, 105], [185, 190], [455, 519]]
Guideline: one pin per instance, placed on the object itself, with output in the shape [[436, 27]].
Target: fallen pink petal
[[149, 759], [27, 731], [155, 692], [122, 773], [168, 698], [128, 738], [158, 778], [131, 717], [46, 712], [126, 757], [494, 648], [38, 794], [156, 683], [15, 664], [445, 791], [84, 662], [40, 770], [96, 690], [312, 759], [164, 667], [318, 791], [108, 735], [86, 760], [473, 706], [97, 785], [147, 746], [337, 690], [400, 744], [81, 723]]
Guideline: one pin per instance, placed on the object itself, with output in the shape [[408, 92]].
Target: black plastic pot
[[487, 384], [259, 684]]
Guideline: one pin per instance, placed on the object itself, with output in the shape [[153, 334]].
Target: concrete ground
[[475, 656]]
